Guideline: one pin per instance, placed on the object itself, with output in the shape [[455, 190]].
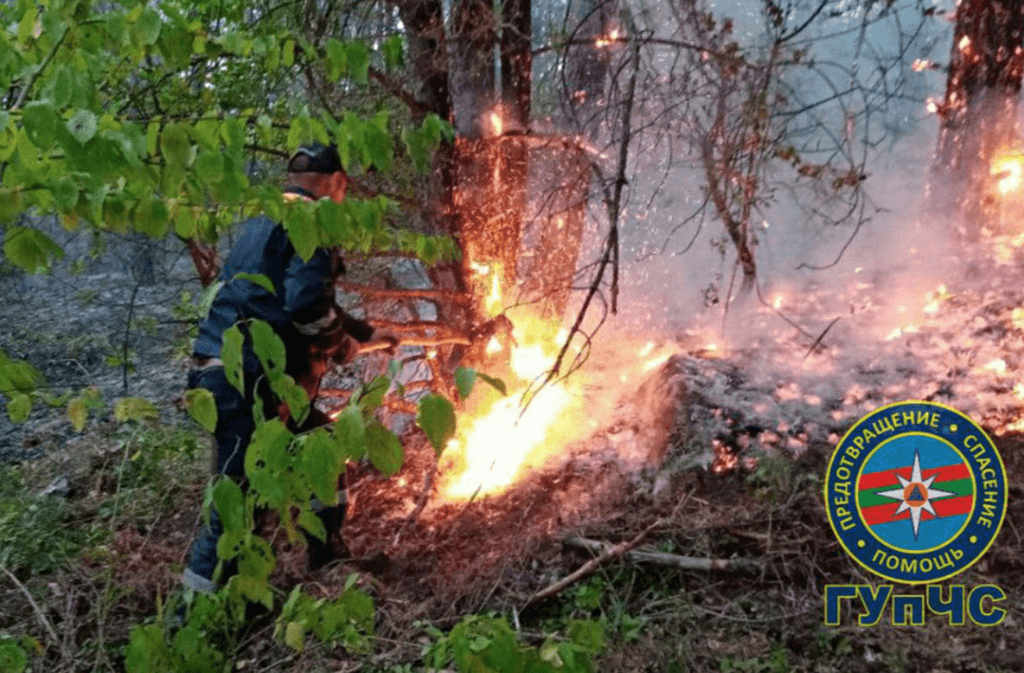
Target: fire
[[496, 123], [498, 438], [921, 64], [1008, 171], [932, 105], [613, 37], [964, 44]]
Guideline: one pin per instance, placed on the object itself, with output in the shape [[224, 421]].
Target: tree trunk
[[978, 115]]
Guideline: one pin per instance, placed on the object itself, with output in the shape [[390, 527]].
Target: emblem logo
[[916, 492]]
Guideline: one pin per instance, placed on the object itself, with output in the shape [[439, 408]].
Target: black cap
[[315, 158]]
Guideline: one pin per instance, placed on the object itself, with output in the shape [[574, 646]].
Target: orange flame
[[1008, 171]]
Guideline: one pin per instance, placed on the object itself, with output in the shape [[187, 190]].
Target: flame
[[612, 38], [920, 64], [498, 439], [932, 105], [496, 123], [964, 44], [997, 366], [1008, 171]]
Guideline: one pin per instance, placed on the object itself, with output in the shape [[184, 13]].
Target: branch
[[673, 560], [607, 554], [416, 107], [370, 292], [39, 613]]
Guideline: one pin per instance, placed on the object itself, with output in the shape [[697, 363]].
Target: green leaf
[[65, 193], [358, 61], [147, 30], [210, 166], [349, 433], [437, 419], [30, 249], [230, 504], [27, 26], [392, 48], [13, 658], [134, 409], [78, 414], [294, 396], [465, 377], [63, 85], [18, 407], [337, 59], [201, 406], [175, 144], [295, 635], [313, 524], [269, 349], [384, 449], [288, 53], [495, 383], [83, 126], [152, 218], [302, 229], [258, 279], [231, 355], [322, 462], [372, 394], [40, 121], [152, 136]]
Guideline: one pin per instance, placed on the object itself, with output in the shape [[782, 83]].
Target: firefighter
[[303, 313]]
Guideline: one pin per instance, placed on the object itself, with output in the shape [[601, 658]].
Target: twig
[[674, 560], [39, 613], [590, 566], [820, 337]]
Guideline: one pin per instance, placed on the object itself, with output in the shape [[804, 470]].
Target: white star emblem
[[916, 494]]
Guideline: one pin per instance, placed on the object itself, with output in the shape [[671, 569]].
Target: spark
[[920, 64]]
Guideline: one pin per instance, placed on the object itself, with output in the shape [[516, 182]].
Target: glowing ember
[[920, 64], [965, 43], [613, 37], [1008, 172], [932, 105]]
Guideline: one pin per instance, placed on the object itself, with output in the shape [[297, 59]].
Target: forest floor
[[734, 434]]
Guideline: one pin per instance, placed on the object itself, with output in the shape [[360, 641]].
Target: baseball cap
[[315, 158]]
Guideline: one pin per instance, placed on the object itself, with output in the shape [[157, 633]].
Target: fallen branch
[[39, 613], [369, 292], [591, 565], [674, 560]]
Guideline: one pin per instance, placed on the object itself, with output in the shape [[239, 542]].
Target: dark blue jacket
[[303, 289]]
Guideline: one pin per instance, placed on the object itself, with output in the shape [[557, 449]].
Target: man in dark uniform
[[302, 312]]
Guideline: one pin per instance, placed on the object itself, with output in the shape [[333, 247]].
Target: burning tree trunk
[[978, 115]]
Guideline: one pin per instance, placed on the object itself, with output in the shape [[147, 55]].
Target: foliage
[[199, 646], [347, 620], [33, 533], [481, 644], [13, 658], [139, 117]]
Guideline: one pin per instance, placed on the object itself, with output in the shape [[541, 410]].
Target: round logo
[[916, 492]]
